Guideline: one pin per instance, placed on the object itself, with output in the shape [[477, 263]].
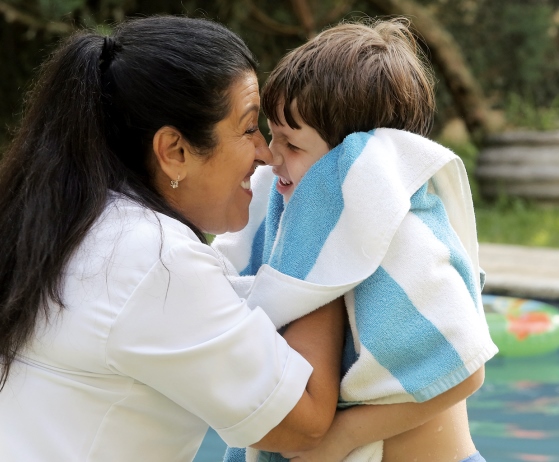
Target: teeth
[[284, 182], [246, 184]]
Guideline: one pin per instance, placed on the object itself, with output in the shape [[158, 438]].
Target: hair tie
[[110, 47]]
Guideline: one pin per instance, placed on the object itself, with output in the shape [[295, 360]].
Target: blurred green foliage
[[516, 221], [508, 220], [512, 48], [511, 45], [525, 113]]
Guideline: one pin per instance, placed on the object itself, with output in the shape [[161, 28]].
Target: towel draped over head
[[386, 220]]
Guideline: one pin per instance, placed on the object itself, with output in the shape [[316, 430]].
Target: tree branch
[[271, 24], [12, 15], [336, 13], [304, 14]]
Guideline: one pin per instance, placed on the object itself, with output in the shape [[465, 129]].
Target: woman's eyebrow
[[251, 108]]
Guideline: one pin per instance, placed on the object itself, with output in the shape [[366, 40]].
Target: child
[[382, 216]]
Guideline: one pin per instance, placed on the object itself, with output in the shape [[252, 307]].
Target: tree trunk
[[446, 54]]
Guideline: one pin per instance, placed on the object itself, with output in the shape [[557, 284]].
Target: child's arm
[[361, 425]]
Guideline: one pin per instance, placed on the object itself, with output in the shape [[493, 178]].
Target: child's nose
[[277, 158]]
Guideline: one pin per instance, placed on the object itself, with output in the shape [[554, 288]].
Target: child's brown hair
[[354, 77]]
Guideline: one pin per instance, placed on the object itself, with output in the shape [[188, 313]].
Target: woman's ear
[[171, 152]]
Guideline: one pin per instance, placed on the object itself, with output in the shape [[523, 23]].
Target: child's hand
[[334, 447], [325, 452]]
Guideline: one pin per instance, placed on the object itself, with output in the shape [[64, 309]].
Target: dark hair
[[354, 77], [87, 130]]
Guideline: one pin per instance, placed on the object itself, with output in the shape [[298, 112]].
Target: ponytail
[[52, 187]]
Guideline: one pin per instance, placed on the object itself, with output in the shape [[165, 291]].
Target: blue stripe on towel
[[239, 455], [354, 145], [264, 237], [235, 455], [275, 211], [430, 209], [264, 456], [423, 357], [312, 201], [255, 261], [349, 355]]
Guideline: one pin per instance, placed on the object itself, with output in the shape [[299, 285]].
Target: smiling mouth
[[245, 184], [284, 182]]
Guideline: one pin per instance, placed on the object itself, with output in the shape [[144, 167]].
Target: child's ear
[[171, 152]]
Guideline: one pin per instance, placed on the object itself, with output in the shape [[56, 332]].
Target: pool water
[[513, 417]]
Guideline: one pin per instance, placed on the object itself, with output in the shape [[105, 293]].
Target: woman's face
[[215, 194]]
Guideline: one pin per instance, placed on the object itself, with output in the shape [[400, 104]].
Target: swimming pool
[[513, 417]]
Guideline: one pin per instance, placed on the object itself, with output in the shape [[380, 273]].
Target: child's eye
[[292, 147]]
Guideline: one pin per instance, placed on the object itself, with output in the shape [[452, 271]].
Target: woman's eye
[[252, 130]]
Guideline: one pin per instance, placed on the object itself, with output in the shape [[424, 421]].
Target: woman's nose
[[265, 154]]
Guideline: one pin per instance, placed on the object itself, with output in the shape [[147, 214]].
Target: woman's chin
[[231, 227]]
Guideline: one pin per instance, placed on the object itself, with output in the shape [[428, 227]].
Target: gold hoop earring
[[175, 183]]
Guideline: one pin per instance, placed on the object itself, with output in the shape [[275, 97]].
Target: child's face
[[295, 151]]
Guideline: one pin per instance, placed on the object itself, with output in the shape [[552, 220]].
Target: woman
[[120, 336]]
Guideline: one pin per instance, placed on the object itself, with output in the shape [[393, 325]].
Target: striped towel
[[386, 220]]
